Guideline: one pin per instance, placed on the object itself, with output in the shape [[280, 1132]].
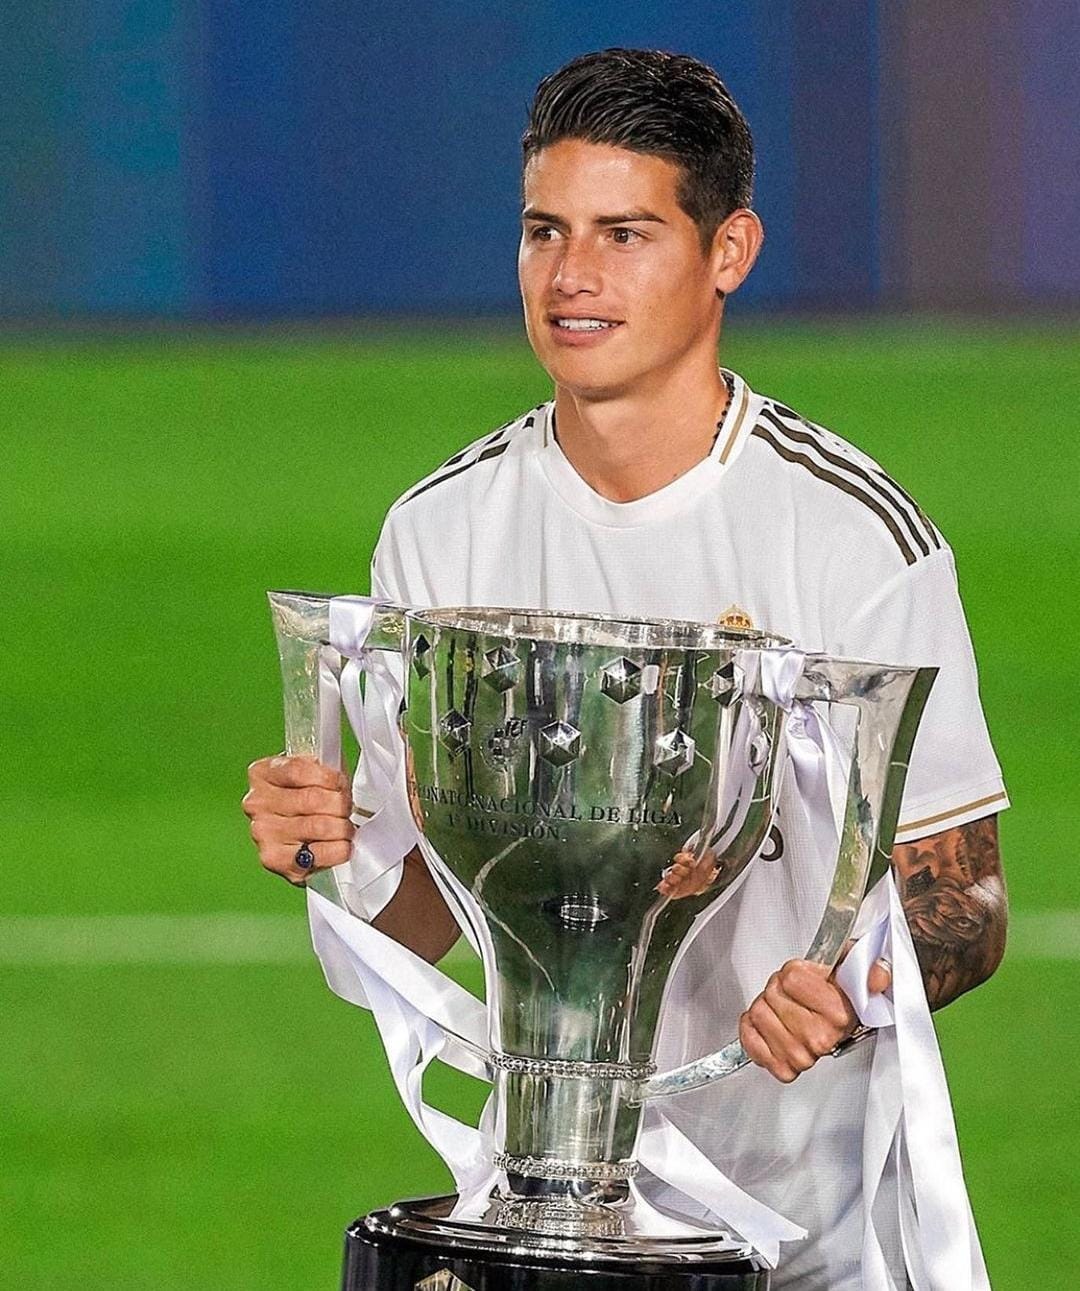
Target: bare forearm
[[416, 915], [953, 893]]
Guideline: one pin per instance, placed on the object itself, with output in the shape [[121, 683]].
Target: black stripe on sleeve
[[491, 439], [928, 524], [845, 485], [494, 439], [496, 450], [442, 473], [809, 434], [806, 436]]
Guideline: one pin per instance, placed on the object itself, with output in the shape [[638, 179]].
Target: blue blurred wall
[[217, 160]]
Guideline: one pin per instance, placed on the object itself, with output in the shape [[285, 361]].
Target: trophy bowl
[[557, 763]]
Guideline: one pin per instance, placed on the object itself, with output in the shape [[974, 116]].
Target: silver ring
[[305, 857]]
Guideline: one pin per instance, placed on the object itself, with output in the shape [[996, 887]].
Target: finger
[[812, 986], [702, 864], [879, 978], [311, 800], [690, 885], [814, 1032], [294, 830], [694, 874], [298, 772], [675, 879], [280, 858], [759, 1053], [780, 1003], [785, 1046], [704, 873]]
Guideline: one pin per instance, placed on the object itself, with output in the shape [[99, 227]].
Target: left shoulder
[[820, 460]]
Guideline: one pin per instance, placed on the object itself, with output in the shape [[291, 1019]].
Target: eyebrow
[[626, 217]]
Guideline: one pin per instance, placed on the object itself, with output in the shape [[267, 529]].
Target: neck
[[629, 445]]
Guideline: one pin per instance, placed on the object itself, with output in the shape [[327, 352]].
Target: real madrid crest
[[736, 617]]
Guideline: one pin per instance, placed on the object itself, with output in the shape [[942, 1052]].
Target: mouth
[[572, 323], [575, 330]]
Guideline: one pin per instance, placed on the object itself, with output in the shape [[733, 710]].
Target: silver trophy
[[556, 764]]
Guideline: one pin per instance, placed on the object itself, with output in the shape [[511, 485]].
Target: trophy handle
[[888, 704], [312, 716]]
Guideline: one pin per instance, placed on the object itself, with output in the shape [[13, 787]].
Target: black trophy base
[[389, 1250]]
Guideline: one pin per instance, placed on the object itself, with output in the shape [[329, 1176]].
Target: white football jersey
[[795, 530]]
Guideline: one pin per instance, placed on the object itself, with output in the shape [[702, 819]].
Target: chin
[[588, 375], [595, 391]]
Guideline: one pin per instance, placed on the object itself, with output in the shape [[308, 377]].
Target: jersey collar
[[664, 502]]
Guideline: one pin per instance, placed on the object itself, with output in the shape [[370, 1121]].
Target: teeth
[[583, 324]]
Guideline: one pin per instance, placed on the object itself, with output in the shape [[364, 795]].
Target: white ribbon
[[388, 832], [909, 1121], [417, 1010], [909, 1118], [817, 759], [668, 1154]]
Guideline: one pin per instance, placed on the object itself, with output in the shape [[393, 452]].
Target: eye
[[623, 237], [541, 233]]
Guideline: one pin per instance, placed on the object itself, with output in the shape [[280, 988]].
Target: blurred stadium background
[[256, 277]]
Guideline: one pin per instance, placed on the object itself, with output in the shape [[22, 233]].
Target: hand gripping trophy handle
[[311, 675], [888, 704]]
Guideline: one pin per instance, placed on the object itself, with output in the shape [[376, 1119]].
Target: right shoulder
[[471, 466]]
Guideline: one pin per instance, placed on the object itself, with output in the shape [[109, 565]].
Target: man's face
[[616, 288]]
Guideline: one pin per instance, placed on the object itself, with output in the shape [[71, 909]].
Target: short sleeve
[[401, 563], [917, 619], [385, 576]]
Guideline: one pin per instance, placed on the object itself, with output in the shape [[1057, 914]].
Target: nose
[[577, 270]]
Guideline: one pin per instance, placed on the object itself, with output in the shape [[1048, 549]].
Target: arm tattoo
[[953, 893]]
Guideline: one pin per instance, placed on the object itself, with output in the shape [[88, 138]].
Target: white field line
[[1044, 934], [84, 941]]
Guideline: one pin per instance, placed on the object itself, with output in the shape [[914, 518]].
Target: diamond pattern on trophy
[[560, 743], [421, 656], [620, 680], [443, 1280], [726, 683], [674, 752], [501, 668], [454, 731]]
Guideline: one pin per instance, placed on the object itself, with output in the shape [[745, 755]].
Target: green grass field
[[212, 1127]]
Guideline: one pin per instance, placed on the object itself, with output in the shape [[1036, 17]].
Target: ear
[[735, 248]]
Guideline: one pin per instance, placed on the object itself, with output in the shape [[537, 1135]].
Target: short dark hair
[[666, 105]]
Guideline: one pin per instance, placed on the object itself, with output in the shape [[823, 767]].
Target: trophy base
[[414, 1246]]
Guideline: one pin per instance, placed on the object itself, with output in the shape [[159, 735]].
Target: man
[[656, 484]]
